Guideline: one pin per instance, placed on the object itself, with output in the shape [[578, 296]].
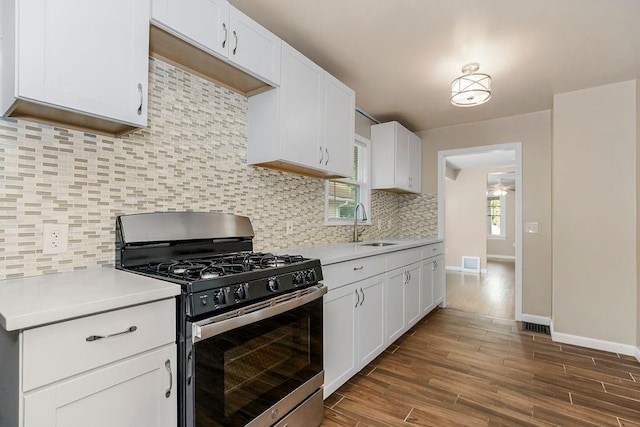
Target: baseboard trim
[[459, 269], [610, 346], [504, 257], [539, 320], [638, 353]]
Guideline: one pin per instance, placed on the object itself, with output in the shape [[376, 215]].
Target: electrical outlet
[[55, 238], [289, 226]]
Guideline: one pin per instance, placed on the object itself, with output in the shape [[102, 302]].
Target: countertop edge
[[342, 252], [30, 302]]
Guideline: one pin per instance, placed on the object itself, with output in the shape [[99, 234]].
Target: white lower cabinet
[[353, 329], [116, 368], [140, 391], [438, 281], [372, 301], [403, 300]]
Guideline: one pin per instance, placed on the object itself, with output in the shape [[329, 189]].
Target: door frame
[[517, 147]]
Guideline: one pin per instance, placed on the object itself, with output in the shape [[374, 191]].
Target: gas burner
[[177, 268]]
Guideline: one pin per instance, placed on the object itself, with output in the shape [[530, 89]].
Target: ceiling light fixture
[[471, 88]]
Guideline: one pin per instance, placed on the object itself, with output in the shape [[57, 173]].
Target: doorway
[[491, 155]]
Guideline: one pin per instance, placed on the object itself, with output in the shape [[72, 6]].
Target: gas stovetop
[[210, 256], [201, 269]]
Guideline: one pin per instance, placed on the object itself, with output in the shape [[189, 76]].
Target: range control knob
[[240, 293], [311, 277], [219, 298], [298, 278], [273, 284]]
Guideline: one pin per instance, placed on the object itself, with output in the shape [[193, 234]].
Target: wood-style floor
[[492, 294], [461, 369]]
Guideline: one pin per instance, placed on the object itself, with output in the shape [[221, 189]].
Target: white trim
[[638, 353], [459, 269], [507, 257], [538, 320], [594, 343], [365, 196], [517, 146]]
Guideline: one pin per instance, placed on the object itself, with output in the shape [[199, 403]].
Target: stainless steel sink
[[378, 244]]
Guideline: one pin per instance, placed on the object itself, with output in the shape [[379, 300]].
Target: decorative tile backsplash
[[192, 156]]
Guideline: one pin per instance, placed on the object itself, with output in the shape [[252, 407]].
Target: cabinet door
[[85, 56], [438, 280], [130, 393], [254, 48], [426, 286], [204, 23], [412, 296], [370, 321], [402, 169], [338, 126], [394, 299], [415, 163], [339, 326], [301, 109]]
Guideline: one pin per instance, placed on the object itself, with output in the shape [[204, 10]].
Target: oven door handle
[[208, 328]]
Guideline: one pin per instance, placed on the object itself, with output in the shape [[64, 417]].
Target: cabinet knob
[[226, 33], [236, 46], [141, 99], [167, 365]]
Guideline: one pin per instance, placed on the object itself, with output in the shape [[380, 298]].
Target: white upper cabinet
[[216, 27], [306, 125], [204, 23], [254, 48], [396, 158], [76, 62]]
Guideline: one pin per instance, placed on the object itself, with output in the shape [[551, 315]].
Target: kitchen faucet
[[355, 221]]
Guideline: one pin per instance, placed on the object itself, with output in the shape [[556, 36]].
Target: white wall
[[466, 216], [594, 213]]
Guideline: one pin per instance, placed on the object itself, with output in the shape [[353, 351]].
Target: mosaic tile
[[192, 156]]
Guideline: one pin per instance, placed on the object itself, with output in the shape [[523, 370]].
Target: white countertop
[[331, 254], [33, 301]]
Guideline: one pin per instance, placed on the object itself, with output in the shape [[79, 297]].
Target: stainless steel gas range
[[249, 324]]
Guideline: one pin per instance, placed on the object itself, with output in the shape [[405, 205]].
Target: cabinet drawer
[[432, 250], [61, 350], [402, 258], [343, 273]]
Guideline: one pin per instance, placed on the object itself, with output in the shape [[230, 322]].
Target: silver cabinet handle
[[167, 365], [236, 46], [327, 161], [405, 279], [226, 33], [100, 337], [358, 268], [321, 155], [358, 295], [362, 292], [409, 274], [141, 99], [435, 265]]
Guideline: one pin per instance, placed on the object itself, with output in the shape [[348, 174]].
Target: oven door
[[256, 365]]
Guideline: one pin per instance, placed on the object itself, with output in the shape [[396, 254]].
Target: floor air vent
[[534, 327]]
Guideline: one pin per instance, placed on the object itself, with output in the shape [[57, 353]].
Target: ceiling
[[400, 56]]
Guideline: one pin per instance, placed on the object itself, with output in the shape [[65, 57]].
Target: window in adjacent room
[[495, 216], [344, 194]]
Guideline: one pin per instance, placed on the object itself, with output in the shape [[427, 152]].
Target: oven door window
[[243, 372]]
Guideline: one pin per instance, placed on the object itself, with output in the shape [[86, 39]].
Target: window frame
[[365, 186], [503, 220]]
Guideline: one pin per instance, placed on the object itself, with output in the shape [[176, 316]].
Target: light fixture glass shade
[[471, 88]]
